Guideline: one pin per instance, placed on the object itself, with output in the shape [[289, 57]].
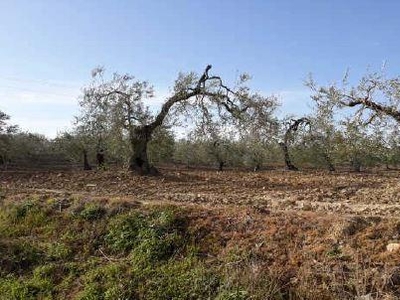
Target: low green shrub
[[12, 288], [20, 211], [58, 251], [123, 231], [108, 282], [154, 236], [18, 257], [92, 211], [21, 219], [187, 278]]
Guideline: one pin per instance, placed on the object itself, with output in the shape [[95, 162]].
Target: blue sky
[[48, 48]]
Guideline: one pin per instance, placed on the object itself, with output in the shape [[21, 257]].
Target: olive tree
[[75, 145], [258, 135], [5, 128], [392, 153], [291, 127], [3, 119], [374, 97], [365, 146], [118, 104], [6, 134], [218, 143], [323, 136]]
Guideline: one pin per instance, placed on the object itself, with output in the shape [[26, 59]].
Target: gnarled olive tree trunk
[[288, 161], [293, 127], [139, 161]]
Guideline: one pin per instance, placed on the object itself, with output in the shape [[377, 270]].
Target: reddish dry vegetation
[[322, 235]]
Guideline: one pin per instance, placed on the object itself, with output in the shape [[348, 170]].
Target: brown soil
[[318, 232], [366, 194]]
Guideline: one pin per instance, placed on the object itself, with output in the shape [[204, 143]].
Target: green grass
[[88, 251]]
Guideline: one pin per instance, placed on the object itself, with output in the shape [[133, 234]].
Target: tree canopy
[[118, 105], [374, 96]]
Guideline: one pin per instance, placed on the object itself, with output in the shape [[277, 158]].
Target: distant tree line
[[226, 126]]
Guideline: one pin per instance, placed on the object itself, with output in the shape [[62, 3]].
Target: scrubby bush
[[92, 211]]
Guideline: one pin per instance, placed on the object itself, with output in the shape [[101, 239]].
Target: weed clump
[[36, 287], [92, 211], [153, 236], [110, 281], [18, 257], [188, 278]]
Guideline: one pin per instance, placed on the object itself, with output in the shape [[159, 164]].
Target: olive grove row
[[208, 122]]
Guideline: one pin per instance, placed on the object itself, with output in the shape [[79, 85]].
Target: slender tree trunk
[[288, 162], [86, 165], [221, 166], [293, 127], [331, 167], [6, 161], [3, 162], [328, 160], [100, 159], [356, 164]]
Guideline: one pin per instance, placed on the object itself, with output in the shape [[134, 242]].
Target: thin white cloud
[[44, 107], [48, 127], [10, 95]]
